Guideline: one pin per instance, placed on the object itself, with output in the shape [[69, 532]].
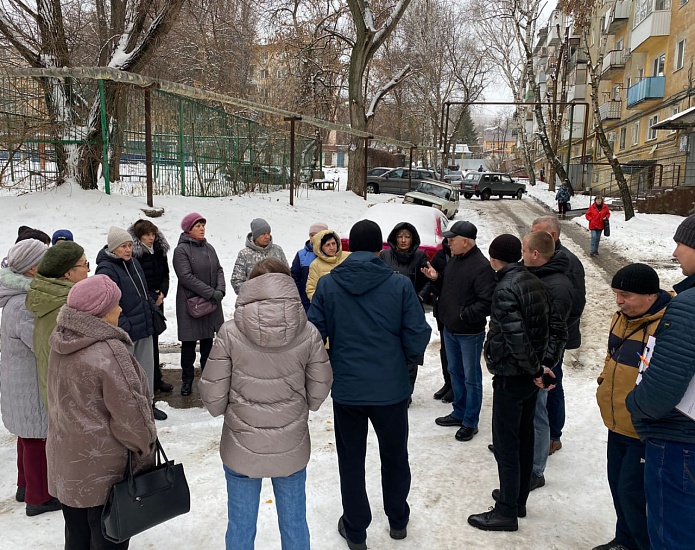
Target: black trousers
[[83, 530], [157, 368], [188, 358], [390, 423], [626, 480], [442, 354], [513, 410]]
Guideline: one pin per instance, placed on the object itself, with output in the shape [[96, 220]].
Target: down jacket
[[652, 404], [23, 411], [597, 217], [323, 264], [136, 317], [45, 298], [521, 324], [99, 408], [154, 263], [267, 369], [199, 273], [300, 271], [626, 343], [553, 274], [376, 327], [249, 256], [408, 262]]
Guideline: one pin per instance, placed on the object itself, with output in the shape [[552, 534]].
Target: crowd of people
[[80, 366]]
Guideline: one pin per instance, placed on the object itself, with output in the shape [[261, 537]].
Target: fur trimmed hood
[[159, 242]]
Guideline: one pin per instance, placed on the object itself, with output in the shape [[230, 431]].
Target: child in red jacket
[[597, 215]]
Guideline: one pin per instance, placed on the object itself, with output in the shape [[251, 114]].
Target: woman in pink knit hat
[[98, 409], [199, 274]]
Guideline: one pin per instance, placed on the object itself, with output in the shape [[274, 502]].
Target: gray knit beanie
[[117, 237], [685, 233], [25, 254], [258, 227]]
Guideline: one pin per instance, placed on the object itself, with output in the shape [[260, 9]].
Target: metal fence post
[[182, 149], [104, 139]]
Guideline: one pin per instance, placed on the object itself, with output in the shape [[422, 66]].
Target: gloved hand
[[217, 296]]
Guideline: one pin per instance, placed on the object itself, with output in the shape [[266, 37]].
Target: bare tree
[[582, 12], [128, 33]]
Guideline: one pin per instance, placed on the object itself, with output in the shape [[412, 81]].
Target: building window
[[674, 111], [616, 93], [635, 133], [623, 136], [658, 65], [264, 73], [281, 73], [651, 134], [680, 54]]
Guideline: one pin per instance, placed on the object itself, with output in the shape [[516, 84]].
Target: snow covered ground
[[450, 479]]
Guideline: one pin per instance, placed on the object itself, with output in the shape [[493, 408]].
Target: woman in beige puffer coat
[[267, 369], [329, 254]]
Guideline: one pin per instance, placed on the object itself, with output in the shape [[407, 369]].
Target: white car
[[437, 194], [429, 222]]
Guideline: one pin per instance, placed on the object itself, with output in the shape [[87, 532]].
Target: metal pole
[[148, 144], [292, 120], [182, 149], [104, 139], [569, 143], [364, 174], [446, 139]]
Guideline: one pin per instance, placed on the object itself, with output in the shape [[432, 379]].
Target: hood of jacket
[[361, 272], [12, 284], [185, 238], [269, 311], [160, 243], [77, 330], [559, 263], [391, 240], [253, 246], [47, 294], [316, 246]]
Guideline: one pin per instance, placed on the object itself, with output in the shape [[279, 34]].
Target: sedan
[[429, 222], [437, 194]]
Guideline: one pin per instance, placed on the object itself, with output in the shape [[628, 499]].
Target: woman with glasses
[[116, 261], [60, 268]]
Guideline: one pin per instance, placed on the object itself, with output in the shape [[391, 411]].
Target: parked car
[[399, 180], [378, 170], [486, 184], [429, 222], [454, 176], [254, 173], [437, 194]]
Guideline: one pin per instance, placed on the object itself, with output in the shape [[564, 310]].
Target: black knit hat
[[637, 278], [366, 236], [506, 248], [685, 233]]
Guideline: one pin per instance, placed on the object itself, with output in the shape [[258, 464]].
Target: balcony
[[613, 63], [610, 110], [577, 91], [651, 87], [657, 23], [617, 17], [553, 38]]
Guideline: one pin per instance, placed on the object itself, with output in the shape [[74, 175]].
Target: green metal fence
[[198, 147]]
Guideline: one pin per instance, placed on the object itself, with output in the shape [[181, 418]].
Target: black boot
[[441, 392], [448, 397]]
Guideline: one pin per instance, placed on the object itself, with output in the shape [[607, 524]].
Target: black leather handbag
[[606, 228], [159, 321], [146, 499]]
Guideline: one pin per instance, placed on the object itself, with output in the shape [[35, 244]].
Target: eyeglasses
[[86, 264]]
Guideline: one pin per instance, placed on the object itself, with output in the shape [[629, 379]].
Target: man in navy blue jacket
[[376, 327], [668, 433]]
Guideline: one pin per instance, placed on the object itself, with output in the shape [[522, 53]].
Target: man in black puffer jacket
[[521, 326], [543, 261]]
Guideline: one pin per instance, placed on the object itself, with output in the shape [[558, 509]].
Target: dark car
[[399, 180], [486, 184], [257, 174], [378, 170]]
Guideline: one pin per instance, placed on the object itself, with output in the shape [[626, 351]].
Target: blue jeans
[[463, 355], [541, 430], [595, 238], [626, 480], [243, 495], [669, 485]]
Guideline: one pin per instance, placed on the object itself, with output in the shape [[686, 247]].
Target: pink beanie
[[190, 220], [95, 295], [317, 227]]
